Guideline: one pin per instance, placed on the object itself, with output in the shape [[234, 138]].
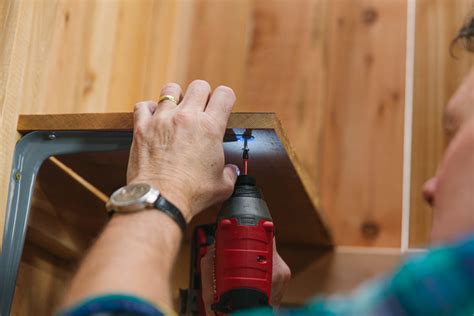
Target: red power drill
[[243, 251], [244, 248]]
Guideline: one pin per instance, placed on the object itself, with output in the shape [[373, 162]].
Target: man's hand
[[280, 278], [178, 148]]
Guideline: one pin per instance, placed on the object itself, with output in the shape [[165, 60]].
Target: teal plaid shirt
[[438, 282]]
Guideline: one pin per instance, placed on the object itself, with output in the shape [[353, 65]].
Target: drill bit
[[245, 156]]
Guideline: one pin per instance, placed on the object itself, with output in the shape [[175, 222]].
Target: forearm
[[135, 254]]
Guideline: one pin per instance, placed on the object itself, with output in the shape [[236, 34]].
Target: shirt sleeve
[[115, 305], [438, 282]]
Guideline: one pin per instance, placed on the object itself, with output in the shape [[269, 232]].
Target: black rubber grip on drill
[[245, 186]]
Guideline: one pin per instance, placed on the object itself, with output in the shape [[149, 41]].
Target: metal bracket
[[30, 153]]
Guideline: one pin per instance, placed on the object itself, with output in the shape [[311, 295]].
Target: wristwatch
[[141, 196]]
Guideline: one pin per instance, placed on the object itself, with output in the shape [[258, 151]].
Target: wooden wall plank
[[437, 74], [361, 177], [219, 41], [7, 114], [286, 71]]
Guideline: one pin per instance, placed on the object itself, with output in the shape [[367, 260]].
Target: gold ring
[[169, 98]]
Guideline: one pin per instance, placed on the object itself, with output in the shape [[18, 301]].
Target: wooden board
[[283, 182], [13, 58], [437, 74], [362, 142]]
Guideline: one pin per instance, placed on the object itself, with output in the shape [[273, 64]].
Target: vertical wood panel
[[286, 71], [21, 30], [363, 133], [436, 77], [218, 44]]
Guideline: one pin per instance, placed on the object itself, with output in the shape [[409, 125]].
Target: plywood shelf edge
[[124, 122]]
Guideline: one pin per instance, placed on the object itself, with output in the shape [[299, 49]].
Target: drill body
[[244, 250]]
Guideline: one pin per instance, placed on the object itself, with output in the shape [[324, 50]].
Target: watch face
[[131, 193]]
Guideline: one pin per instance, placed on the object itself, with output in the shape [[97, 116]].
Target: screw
[[51, 136], [17, 176]]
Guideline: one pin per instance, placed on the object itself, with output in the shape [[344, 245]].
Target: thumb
[[231, 172]]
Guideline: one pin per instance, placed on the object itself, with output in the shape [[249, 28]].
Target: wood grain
[[437, 74], [287, 71], [65, 215], [41, 283], [103, 56], [361, 177], [220, 39], [12, 43]]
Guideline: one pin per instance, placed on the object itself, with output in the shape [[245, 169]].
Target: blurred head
[[451, 190]]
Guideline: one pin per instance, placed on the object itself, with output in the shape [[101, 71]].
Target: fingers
[[280, 277], [171, 89], [142, 113], [221, 103], [196, 96]]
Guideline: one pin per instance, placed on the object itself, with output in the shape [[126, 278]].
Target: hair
[[465, 35]]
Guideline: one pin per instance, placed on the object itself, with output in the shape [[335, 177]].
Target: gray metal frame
[[30, 153]]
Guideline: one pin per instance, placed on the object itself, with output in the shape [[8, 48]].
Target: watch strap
[[165, 206]]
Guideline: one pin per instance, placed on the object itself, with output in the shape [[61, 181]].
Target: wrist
[[146, 226], [173, 194], [180, 200]]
